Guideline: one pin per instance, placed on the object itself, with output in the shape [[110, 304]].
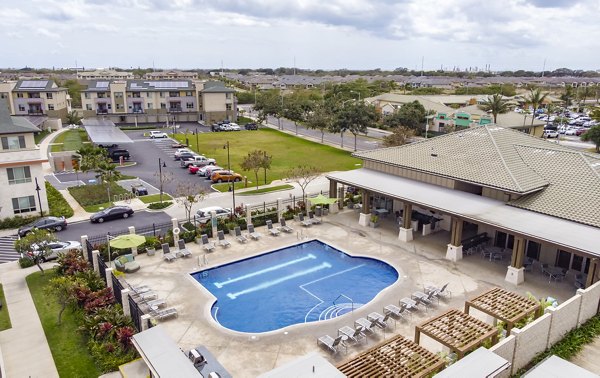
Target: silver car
[[56, 248]]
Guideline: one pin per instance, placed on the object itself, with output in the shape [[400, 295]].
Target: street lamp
[[160, 178], [173, 125], [226, 146], [37, 189]]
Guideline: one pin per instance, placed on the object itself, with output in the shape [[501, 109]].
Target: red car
[[193, 169], [578, 132]]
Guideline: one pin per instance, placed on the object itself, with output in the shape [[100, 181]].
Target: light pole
[[37, 189], [160, 178], [173, 125], [226, 146]]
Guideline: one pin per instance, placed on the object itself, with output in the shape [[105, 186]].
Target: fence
[[117, 287], [102, 267], [90, 248], [156, 229], [136, 313], [98, 240]]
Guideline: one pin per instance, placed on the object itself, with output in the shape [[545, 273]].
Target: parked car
[[139, 190], [207, 168], [44, 223], [571, 131], [550, 134], [204, 214], [212, 169], [234, 127], [56, 248], [113, 212], [198, 160], [193, 169], [116, 155], [158, 134], [580, 132], [187, 155], [226, 176], [179, 151], [251, 126]]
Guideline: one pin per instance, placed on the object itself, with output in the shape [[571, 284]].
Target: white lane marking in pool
[[266, 270], [323, 278], [267, 284]]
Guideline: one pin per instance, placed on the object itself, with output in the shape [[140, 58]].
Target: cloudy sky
[[327, 34]]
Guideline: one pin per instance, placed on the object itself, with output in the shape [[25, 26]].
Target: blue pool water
[[303, 283]]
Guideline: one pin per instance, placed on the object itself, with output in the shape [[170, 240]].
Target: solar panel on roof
[[34, 84], [102, 84]]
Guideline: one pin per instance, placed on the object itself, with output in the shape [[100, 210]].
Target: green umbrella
[[322, 200], [127, 241]]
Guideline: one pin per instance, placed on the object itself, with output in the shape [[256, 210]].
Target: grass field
[[71, 140], [4, 318], [287, 151], [39, 137], [90, 196], [155, 198], [266, 190], [67, 345]]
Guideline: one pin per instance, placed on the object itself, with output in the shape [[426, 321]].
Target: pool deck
[[419, 262]]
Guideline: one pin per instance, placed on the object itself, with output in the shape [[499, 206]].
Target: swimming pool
[[303, 283]]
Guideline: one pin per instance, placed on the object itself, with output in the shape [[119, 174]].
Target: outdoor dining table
[[556, 273], [382, 212]]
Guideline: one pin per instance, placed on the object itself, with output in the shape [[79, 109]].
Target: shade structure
[[127, 241], [322, 200]]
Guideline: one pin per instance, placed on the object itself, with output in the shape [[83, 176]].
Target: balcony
[[35, 112], [101, 111], [177, 109], [137, 110]]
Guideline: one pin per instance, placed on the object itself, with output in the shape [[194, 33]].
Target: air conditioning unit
[[196, 357]]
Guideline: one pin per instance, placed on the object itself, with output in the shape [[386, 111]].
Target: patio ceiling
[[504, 305], [397, 357], [458, 331]]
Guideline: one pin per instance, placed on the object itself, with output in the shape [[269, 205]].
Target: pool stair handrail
[[346, 297]]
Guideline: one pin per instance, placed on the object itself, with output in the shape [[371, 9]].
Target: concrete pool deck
[[419, 262]]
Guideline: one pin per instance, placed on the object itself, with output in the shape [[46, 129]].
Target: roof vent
[[433, 153]]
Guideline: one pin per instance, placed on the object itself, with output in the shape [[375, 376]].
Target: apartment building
[[36, 98], [157, 101], [171, 75], [104, 74], [21, 177]]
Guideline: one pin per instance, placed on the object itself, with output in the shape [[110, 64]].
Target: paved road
[[7, 250]]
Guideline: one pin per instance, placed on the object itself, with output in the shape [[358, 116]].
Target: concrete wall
[[589, 302], [506, 350], [564, 318], [531, 340]]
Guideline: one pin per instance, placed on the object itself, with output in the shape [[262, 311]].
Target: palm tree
[[108, 173], [536, 98], [495, 104]]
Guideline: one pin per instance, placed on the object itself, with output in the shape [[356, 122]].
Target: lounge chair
[[304, 222], [439, 291], [183, 251], [272, 230], [222, 241], [331, 343], [167, 255], [368, 325], [313, 219], [354, 334], [238, 235], [207, 245], [396, 311], [145, 296], [253, 234], [138, 289], [164, 313], [380, 320], [155, 303], [409, 304], [283, 227], [422, 298]]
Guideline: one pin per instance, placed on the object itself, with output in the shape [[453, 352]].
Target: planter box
[[374, 225]]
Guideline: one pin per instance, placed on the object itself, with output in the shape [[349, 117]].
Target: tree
[[583, 95], [62, 288], [91, 157], [108, 173], [303, 175], [592, 135], [536, 99], [567, 96], [74, 88], [34, 246], [411, 115], [400, 136], [355, 117], [265, 164], [495, 104], [268, 103], [188, 194], [253, 162], [73, 118]]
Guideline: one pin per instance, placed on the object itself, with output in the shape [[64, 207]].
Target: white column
[[125, 297], [248, 214], [95, 254], [405, 234], [144, 320], [364, 219], [279, 209], [109, 282], [514, 275], [84, 239], [454, 253], [175, 233], [134, 249]]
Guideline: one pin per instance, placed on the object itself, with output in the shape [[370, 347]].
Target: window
[[189, 94], [23, 204], [3, 95], [109, 106], [162, 94], [88, 106], [148, 94], [50, 107], [86, 95], [118, 94], [13, 142], [49, 96], [21, 108], [149, 105], [189, 105], [163, 105], [119, 106], [18, 175], [227, 106], [228, 95], [19, 95]]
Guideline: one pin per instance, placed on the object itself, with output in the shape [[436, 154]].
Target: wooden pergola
[[458, 331], [504, 305], [398, 357]]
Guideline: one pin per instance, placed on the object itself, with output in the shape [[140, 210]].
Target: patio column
[[365, 213], [406, 232], [95, 254], [515, 273], [109, 281], [175, 233], [333, 193], [593, 271], [125, 297], [454, 251], [132, 232], [84, 249]]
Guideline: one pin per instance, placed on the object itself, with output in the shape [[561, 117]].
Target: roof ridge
[[515, 181]]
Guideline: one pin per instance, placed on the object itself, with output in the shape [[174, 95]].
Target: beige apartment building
[[158, 101], [23, 191], [36, 98], [104, 74], [171, 75]]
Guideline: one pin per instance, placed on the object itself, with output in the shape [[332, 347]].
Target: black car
[[113, 212], [116, 155], [44, 223], [251, 126]]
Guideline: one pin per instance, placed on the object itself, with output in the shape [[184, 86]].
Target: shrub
[[158, 205], [16, 221], [25, 262], [59, 207], [71, 263]]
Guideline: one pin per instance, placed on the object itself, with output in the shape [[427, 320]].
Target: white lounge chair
[[138, 289], [380, 320], [304, 222], [354, 334], [155, 303], [167, 255], [238, 235], [439, 291], [253, 234], [284, 227], [312, 218], [222, 241], [331, 343], [422, 299], [164, 313], [396, 311], [207, 245], [368, 325], [272, 230], [183, 251], [409, 304]]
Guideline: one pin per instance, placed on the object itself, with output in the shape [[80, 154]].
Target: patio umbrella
[[127, 241], [322, 200]]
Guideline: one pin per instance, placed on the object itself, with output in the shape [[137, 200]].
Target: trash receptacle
[[318, 211]]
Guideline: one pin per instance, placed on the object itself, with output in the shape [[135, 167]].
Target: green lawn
[[67, 345], [38, 137], [288, 151], [71, 140], [155, 198], [266, 190], [89, 195], [4, 318], [57, 203]]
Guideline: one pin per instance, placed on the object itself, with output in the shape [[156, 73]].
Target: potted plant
[[374, 221]]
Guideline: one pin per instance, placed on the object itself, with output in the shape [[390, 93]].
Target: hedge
[[59, 207]]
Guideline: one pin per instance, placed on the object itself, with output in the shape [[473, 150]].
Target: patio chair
[[366, 324], [544, 268], [253, 234], [331, 343], [145, 296], [238, 235], [409, 304], [422, 298], [164, 313], [580, 281], [272, 230], [183, 251], [304, 222], [138, 289], [167, 255], [284, 227], [354, 334], [155, 303], [222, 241], [439, 291], [207, 245], [380, 320], [396, 311], [312, 218]]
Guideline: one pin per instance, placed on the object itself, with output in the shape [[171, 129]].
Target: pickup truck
[[197, 160]]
